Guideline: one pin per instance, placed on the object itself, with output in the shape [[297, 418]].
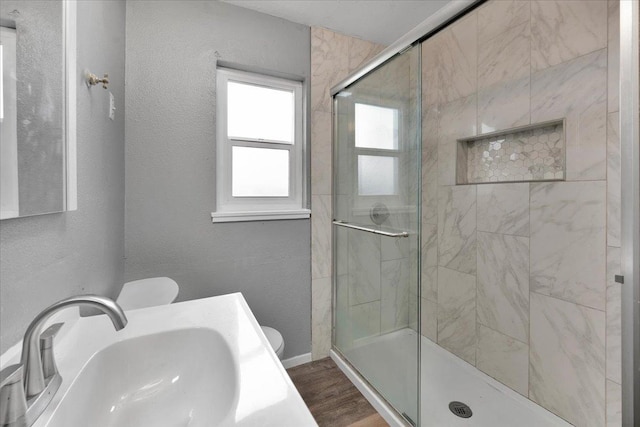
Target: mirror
[[37, 109]]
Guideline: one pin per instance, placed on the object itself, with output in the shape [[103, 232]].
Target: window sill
[[260, 215]]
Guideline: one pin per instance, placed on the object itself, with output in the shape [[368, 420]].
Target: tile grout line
[[504, 234], [569, 302], [502, 333], [475, 194], [568, 60]]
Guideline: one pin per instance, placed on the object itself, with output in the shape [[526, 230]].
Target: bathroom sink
[[176, 378], [197, 363]]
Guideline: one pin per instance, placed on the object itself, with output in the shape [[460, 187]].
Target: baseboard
[[296, 360]]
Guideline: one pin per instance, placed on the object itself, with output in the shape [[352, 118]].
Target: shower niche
[[528, 153]]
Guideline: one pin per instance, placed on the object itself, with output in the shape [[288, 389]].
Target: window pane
[[376, 127], [260, 172], [377, 175], [260, 113]]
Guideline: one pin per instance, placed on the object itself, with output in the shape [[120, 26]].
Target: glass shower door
[[376, 229]]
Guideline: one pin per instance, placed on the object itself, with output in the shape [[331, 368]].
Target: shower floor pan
[[388, 362]]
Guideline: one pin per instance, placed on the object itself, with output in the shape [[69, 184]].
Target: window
[[259, 148], [377, 136]]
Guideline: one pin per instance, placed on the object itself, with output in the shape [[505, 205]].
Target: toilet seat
[[275, 339]]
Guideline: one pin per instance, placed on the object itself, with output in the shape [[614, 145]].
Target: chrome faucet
[[20, 406]]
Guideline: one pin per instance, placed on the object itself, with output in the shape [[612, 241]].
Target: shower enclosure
[[376, 227], [476, 218]]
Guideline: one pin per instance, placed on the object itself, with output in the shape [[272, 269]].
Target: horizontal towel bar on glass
[[371, 230]]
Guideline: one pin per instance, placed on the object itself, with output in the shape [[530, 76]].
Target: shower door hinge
[[619, 279]]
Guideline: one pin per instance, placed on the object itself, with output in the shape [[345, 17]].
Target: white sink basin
[[159, 379], [199, 363]]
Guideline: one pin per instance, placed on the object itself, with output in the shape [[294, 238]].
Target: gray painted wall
[[50, 257], [172, 49]]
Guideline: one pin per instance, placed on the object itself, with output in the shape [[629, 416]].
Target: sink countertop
[[263, 394]]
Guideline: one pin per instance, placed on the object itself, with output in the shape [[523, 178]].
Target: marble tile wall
[[566, 369], [364, 258], [394, 294], [568, 253], [517, 278], [333, 57], [456, 314], [504, 358], [576, 90], [565, 30], [457, 228], [503, 284], [504, 209]]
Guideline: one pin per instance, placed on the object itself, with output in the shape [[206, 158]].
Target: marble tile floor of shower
[[388, 362]]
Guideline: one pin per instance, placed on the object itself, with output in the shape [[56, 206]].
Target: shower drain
[[460, 409]]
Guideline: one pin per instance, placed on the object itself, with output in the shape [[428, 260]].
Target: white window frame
[[232, 209]]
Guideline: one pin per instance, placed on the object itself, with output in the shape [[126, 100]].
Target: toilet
[[162, 291], [275, 339]]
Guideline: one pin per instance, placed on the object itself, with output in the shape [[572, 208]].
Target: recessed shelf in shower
[[528, 153]]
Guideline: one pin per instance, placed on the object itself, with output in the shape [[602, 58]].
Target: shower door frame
[[630, 209], [426, 28], [390, 413]]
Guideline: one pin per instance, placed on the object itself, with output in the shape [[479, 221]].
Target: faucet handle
[[49, 367], [13, 403]]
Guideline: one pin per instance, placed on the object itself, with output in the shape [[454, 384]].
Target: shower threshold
[[388, 363]]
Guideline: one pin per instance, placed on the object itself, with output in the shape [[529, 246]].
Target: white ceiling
[[380, 21]]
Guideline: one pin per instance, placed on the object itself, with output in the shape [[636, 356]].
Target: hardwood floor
[[332, 399]]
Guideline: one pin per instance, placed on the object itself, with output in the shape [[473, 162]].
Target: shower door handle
[[372, 230]]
